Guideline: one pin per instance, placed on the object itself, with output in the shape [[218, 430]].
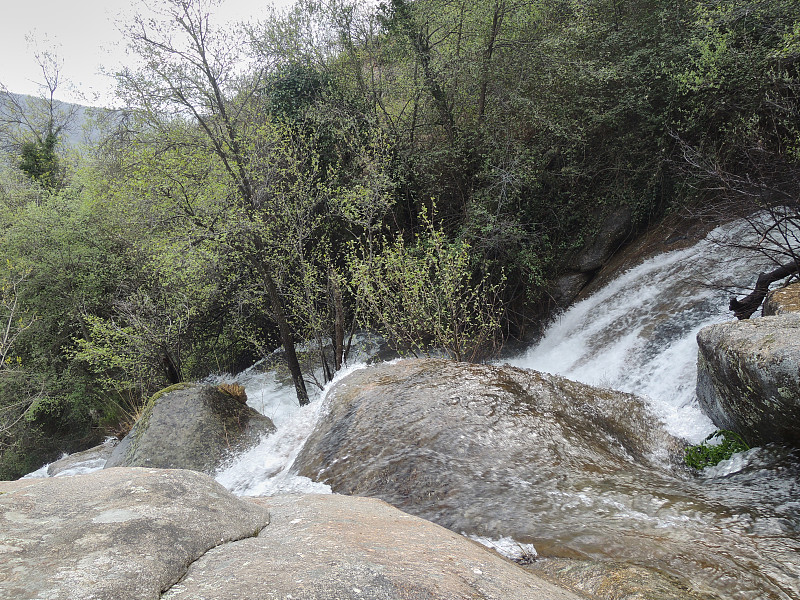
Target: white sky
[[85, 35]]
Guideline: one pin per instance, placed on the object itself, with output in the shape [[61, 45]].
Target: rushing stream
[[732, 530]]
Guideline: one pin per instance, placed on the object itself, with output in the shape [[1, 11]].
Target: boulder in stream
[[500, 452], [748, 377], [467, 445], [191, 427]]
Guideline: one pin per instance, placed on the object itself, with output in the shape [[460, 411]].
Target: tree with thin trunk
[[31, 128], [192, 72]]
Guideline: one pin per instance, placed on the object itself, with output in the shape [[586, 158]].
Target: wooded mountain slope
[[423, 168]]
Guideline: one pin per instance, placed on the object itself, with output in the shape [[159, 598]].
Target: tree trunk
[[742, 309], [286, 338], [494, 31], [338, 321]]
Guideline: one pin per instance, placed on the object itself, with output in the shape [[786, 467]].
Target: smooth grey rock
[[500, 452], [113, 534], [782, 300], [348, 548], [748, 377], [467, 445], [194, 427], [567, 287]]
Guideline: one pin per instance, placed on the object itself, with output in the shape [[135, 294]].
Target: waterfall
[[637, 334], [264, 469], [732, 529]]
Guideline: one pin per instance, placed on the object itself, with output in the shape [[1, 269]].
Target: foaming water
[[637, 334], [264, 469]]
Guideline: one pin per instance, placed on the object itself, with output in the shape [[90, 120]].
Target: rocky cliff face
[[748, 377]]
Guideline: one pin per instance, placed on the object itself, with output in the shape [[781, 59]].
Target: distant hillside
[[82, 120]]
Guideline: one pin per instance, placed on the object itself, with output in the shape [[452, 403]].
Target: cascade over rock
[[748, 377], [149, 533], [192, 427], [463, 444], [501, 452], [85, 461], [616, 581]]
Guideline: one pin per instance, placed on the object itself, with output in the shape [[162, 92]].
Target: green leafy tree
[[31, 128], [192, 72], [425, 297]]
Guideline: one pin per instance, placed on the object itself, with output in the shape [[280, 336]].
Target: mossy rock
[[188, 426]]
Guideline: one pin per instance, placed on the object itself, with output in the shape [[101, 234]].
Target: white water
[[638, 333], [264, 469]]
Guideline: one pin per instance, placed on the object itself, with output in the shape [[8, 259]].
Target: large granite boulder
[[782, 300], [191, 427], [748, 377], [152, 534], [348, 548], [499, 452], [467, 446], [117, 533]]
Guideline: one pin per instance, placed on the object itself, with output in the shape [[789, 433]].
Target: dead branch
[[742, 309]]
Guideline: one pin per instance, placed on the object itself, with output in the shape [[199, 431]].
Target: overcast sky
[[85, 35]]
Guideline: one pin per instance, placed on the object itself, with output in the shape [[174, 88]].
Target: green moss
[[707, 455], [167, 390]]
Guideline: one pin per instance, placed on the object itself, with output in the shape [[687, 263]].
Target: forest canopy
[[424, 169]]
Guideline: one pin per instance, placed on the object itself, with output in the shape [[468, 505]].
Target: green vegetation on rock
[[705, 454]]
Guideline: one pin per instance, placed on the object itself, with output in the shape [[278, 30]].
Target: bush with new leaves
[[426, 297]]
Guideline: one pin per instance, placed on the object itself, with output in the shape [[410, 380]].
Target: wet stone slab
[[118, 533]]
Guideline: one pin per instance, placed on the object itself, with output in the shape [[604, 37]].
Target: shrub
[[707, 455]]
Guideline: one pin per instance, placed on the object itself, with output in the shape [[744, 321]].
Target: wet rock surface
[[86, 461], [748, 377], [195, 427], [467, 446], [578, 472], [116, 533], [615, 581], [329, 546], [611, 234]]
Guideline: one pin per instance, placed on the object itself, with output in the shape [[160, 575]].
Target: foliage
[[727, 443], [426, 298], [737, 102], [272, 183], [39, 161]]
